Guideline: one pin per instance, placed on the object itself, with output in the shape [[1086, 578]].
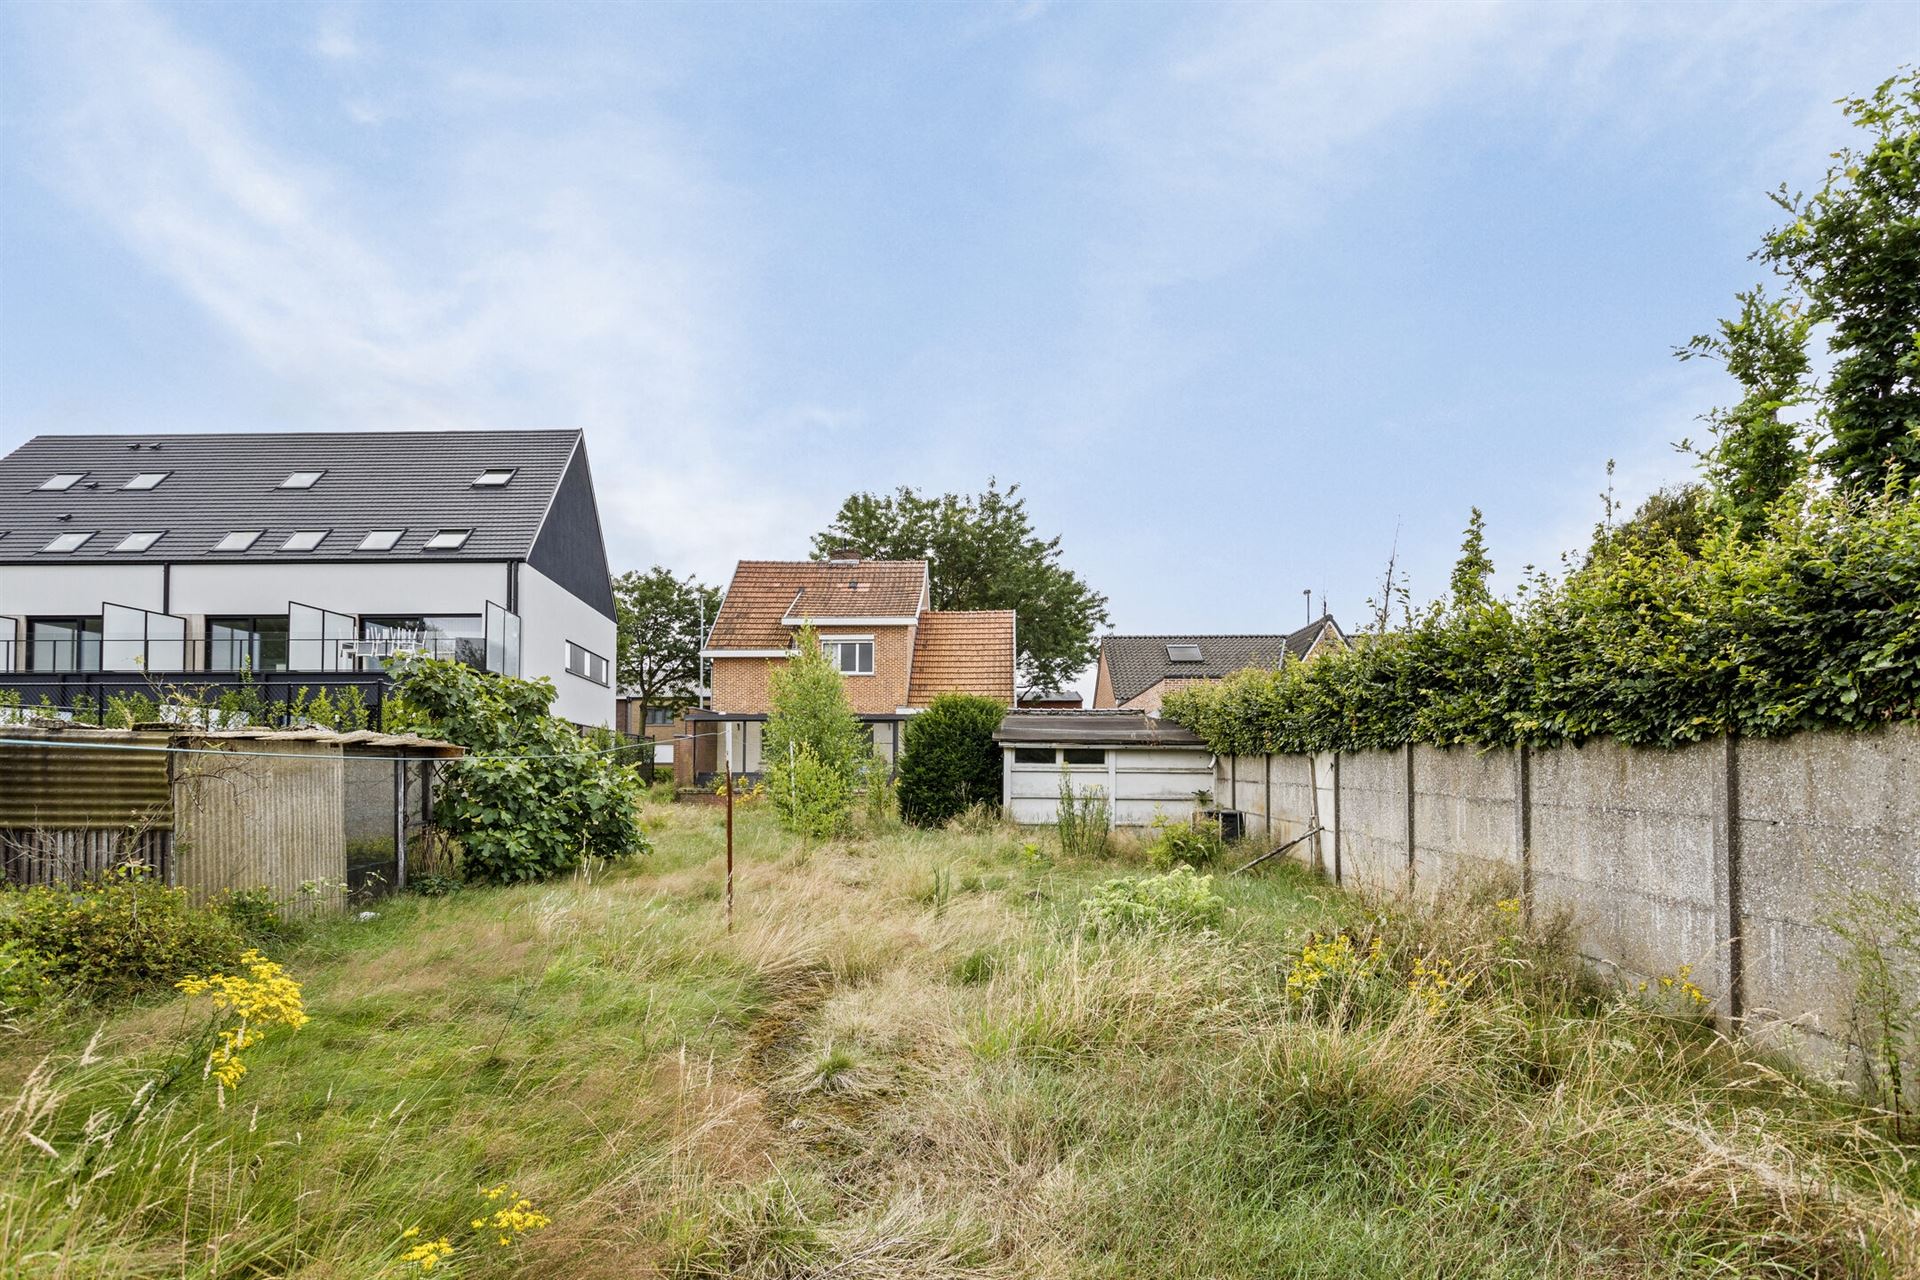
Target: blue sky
[[1234, 292]]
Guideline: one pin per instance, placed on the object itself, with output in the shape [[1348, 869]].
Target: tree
[[1757, 455], [951, 762], [1471, 571], [985, 555], [815, 753], [662, 620], [532, 799], [1853, 252]]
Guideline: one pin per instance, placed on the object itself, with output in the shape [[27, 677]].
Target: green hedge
[[950, 762], [1815, 623]]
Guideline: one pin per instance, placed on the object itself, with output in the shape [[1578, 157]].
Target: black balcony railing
[[209, 699]]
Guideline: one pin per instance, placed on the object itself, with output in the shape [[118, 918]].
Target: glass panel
[[1084, 755], [148, 479], [1033, 755], [123, 637], [335, 630], [68, 541], [511, 658], [458, 636], [167, 642], [137, 541], [63, 644], [301, 480], [380, 540], [65, 480], [496, 626], [304, 638]]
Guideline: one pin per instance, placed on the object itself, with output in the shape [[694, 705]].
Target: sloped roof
[[765, 592], [218, 483], [1111, 727], [963, 653], [1137, 663]]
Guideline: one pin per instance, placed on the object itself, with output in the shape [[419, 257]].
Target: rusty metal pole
[[729, 733]]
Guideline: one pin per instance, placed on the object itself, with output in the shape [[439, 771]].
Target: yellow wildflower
[[263, 997]]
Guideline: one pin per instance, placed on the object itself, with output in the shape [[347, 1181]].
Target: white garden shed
[[1146, 766]]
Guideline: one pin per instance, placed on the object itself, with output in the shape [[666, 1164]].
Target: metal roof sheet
[[1105, 728]]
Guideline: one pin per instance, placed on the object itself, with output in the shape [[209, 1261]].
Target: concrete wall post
[[1407, 781], [1337, 879], [1729, 954], [1523, 827]]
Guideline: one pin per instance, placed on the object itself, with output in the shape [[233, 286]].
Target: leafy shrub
[[24, 984], [1178, 899], [1185, 844], [533, 800], [816, 755], [811, 797], [1082, 820], [432, 885], [1814, 624], [951, 762], [254, 912], [120, 936]]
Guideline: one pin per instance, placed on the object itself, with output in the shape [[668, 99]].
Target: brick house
[[874, 617], [1137, 672]]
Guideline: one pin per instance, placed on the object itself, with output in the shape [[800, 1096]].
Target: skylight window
[[237, 541], [302, 480], [381, 540], [305, 540], [1183, 653], [147, 480], [448, 540], [65, 480], [137, 542], [494, 477], [67, 542]]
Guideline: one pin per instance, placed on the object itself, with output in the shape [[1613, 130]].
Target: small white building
[[1147, 767], [301, 560]]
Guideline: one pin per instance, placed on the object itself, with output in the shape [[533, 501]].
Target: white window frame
[[319, 537], [448, 540], [251, 535], [154, 479], [367, 543], [831, 646], [484, 480], [52, 484], [78, 538], [288, 483], [151, 536]]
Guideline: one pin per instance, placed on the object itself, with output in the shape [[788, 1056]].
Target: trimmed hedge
[[1813, 624], [950, 763]]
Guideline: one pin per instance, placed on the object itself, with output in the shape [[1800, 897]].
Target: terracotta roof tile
[[963, 653], [765, 591]]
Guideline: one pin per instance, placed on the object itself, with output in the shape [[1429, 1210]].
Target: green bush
[[1816, 624], [533, 800], [1182, 844], [254, 912], [950, 762], [24, 984], [121, 936], [1178, 899], [816, 755], [811, 796]]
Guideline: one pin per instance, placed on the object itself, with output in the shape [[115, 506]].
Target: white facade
[[1142, 783], [551, 618]]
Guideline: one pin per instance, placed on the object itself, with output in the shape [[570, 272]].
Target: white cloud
[[335, 40], [574, 277]]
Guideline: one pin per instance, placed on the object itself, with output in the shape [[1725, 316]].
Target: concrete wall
[[1725, 855], [28, 590]]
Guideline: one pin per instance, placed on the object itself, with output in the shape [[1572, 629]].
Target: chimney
[[844, 555]]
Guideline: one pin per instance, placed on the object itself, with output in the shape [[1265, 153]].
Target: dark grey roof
[[419, 481], [1137, 663], [1108, 728]]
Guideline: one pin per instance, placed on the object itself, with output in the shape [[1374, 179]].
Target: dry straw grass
[[909, 1059]]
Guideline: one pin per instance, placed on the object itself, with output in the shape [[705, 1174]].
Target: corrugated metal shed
[[69, 786]]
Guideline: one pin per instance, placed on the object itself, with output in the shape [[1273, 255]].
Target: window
[[65, 480], [67, 542], [586, 664], [305, 540], [237, 541], [381, 540], [1183, 653], [850, 657], [147, 480], [1033, 755], [494, 478], [460, 636], [661, 715], [302, 480], [247, 644], [63, 644], [137, 541], [448, 540], [1084, 755]]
